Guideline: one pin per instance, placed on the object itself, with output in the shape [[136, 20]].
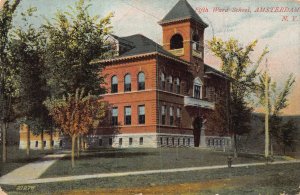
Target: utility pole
[[267, 138]]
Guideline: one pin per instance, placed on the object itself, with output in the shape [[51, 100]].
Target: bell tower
[[183, 33]]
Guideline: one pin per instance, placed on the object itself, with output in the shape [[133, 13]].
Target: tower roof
[[182, 10]]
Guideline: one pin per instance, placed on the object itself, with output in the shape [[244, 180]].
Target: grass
[[122, 160], [270, 179], [17, 158]]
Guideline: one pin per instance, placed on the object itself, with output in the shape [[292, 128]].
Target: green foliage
[[28, 54], [8, 72], [236, 63], [278, 100], [217, 120], [288, 132], [74, 39]]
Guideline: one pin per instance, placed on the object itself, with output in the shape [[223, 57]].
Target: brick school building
[[160, 95]]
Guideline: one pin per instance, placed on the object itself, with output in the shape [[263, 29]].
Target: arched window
[[162, 81], [127, 82], [177, 83], [114, 84], [176, 41], [141, 81], [170, 81], [197, 89]]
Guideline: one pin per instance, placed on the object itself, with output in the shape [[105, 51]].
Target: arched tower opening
[[176, 42]]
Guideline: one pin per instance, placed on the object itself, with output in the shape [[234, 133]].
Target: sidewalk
[[35, 180], [31, 171]]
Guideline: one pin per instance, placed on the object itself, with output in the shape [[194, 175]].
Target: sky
[[279, 31]]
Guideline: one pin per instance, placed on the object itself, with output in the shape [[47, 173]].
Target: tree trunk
[[235, 147], [73, 150], [4, 149]]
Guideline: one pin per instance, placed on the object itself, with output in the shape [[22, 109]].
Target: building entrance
[[197, 124]]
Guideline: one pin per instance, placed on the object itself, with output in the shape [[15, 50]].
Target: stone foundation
[[149, 140], [133, 140]]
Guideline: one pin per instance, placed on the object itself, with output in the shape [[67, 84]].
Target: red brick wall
[[134, 98], [182, 28]]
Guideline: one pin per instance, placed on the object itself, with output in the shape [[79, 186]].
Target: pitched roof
[[182, 10], [210, 70], [141, 45], [122, 41]]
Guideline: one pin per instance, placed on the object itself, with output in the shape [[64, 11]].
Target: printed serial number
[[25, 188]]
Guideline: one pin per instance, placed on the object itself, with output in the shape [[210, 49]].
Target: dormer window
[[176, 41], [197, 88]]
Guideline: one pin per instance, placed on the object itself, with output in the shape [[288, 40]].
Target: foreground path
[[105, 175], [31, 171]]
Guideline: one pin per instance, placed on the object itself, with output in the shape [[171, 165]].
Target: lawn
[[17, 158], [121, 160], [269, 179]]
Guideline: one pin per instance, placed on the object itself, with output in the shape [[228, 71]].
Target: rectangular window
[[183, 141], [110, 141], [178, 88], [171, 87], [141, 85], [173, 141], [141, 112], [163, 115], [162, 81], [44, 143], [163, 85], [127, 87], [178, 116], [130, 141], [100, 142], [189, 142], [171, 116], [114, 88], [161, 141], [120, 141], [127, 115], [36, 144], [167, 141], [141, 140], [197, 91], [52, 143], [114, 118]]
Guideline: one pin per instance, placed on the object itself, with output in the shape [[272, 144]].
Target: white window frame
[[197, 82]]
